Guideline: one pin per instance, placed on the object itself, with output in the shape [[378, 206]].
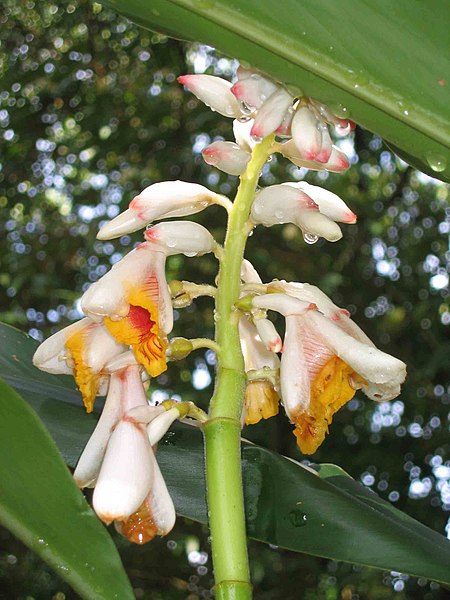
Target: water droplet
[[244, 119], [437, 162], [340, 111], [310, 238], [257, 139], [190, 254], [297, 518], [155, 12], [246, 109]]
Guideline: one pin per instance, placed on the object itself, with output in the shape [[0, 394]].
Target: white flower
[[162, 200], [133, 298], [324, 361], [84, 349], [120, 464]]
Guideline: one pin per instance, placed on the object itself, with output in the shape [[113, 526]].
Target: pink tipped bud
[[307, 133], [226, 156], [327, 145], [181, 237], [329, 204], [271, 114], [343, 126], [254, 91], [337, 162], [162, 200], [214, 92]]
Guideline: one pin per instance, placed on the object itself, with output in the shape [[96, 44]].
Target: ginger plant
[[124, 340]]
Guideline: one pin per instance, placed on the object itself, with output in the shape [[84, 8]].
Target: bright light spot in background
[[200, 376], [439, 281]]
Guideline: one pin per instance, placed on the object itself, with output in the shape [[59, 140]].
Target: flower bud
[[254, 90], [226, 156], [179, 348], [271, 114], [162, 200], [337, 162], [214, 92], [306, 134], [181, 237], [329, 204]]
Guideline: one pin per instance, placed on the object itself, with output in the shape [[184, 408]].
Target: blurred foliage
[[90, 114]]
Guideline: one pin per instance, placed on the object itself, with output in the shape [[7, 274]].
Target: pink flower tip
[[236, 89], [350, 217], [183, 79]]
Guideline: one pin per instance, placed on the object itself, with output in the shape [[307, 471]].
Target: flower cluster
[[123, 340]]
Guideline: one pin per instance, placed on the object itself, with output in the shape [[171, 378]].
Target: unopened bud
[[179, 348]]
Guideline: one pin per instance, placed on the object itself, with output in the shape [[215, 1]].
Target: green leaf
[[325, 514], [382, 64], [42, 506]]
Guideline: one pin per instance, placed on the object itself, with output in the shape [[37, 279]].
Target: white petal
[[242, 135], [226, 156], [100, 348], [88, 466], [337, 162], [126, 473], [306, 134], [162, 200], [214, 92], [181, 237], [248, 272], [279, 204], [316, 224], [256, 356], [329, 204], [161, 504], [145, 414], [282, 303], [294, 378], [51, 355], [254, 90], [326, 145], [271, 114], [159, 426], [369, 362]]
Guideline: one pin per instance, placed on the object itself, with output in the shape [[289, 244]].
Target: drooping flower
[[324, 361], [133, 298], [163, 200], [119, 461], [83, 349]]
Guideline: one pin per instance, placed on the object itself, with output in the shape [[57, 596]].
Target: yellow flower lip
[[140, 330]]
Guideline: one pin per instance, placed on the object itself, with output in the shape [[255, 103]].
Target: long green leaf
[[383, 64], [328, 514], [42, 506]]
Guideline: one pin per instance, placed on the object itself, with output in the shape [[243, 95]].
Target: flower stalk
[[223, 429]]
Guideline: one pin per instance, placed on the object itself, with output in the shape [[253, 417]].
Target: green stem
[[223, 430]]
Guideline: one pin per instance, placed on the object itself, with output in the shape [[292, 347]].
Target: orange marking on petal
[[330, 390], [140, 330], [86, 380], [140, 527]]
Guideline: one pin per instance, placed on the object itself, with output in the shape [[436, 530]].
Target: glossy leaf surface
[[381, 64], [287, 505], [41, 505]]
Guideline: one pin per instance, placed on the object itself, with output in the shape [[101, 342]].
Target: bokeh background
[[90, 114]]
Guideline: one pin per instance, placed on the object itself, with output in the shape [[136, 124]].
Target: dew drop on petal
[[310, 238]]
